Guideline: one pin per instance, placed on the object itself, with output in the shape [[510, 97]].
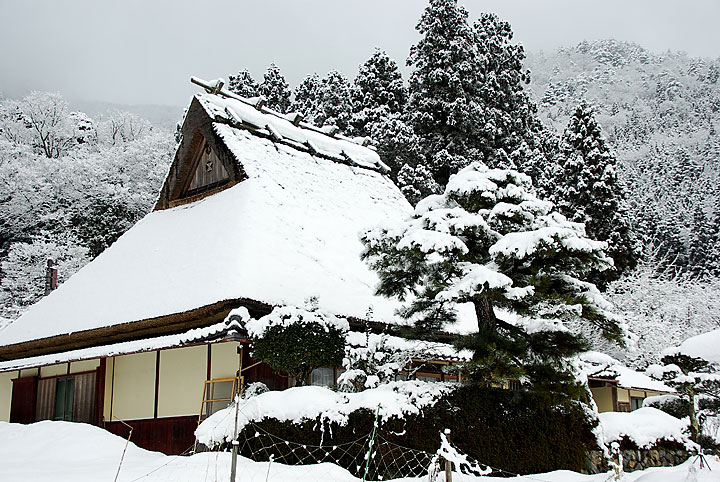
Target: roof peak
[[215, 87]]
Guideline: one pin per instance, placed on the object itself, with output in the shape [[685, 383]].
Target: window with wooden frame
[[209, 172], [68, 397]]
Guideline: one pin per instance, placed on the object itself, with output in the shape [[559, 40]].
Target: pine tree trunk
[[694, 425], [487, 322]]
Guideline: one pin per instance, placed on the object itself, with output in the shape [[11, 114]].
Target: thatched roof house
[[258, 209]]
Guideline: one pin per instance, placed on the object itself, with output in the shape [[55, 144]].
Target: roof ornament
[[258, 102], [273, 132], [330, 130], [295, 117], [211, 87], [216, 87]]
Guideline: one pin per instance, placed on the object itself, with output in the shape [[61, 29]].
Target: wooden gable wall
[[203, 165]]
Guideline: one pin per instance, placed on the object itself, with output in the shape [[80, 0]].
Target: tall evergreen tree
[[325, 101], [466, 91], [307, 98], [589, 192], [243, 84], [490, 242], [335, 101], [275, 89], [378, 92]]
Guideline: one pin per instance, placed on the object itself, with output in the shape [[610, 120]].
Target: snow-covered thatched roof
[[286, 232]]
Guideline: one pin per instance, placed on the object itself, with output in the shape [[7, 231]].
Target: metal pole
[[372, 441], [236, 442]]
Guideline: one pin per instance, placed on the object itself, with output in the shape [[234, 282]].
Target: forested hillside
[[660, 114], [69, 187]]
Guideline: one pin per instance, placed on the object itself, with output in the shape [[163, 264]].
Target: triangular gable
[[209, 171], [202, 166]]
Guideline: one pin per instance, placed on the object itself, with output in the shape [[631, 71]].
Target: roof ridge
[[215, 87]]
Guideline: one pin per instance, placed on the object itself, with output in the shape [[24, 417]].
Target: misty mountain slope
[[660, 114]]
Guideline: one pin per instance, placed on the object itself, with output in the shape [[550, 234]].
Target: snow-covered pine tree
[[275, 89], [692, 377], [588, 190], [307, 98], [442, 103], [335, 101], [490, 242], [467, 100], [378, 92], [243, 84]]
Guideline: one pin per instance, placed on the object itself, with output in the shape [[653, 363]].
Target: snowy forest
[[619, 138]]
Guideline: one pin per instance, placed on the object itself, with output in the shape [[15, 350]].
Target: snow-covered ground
[[61, 451]]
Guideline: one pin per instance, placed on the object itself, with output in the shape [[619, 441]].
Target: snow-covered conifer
[[588, 190], [378, 91], [307, 98], [466, 97], [243, 84], [490, 242], [335, 101], [275, 89]]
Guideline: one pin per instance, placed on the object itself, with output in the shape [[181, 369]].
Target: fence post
[[448, 464]]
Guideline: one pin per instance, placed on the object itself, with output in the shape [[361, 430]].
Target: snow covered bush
[[298, 340], [488, 241], [693, 370], [371, 364]]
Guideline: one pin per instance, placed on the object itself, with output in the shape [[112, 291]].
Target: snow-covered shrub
[[254, 389], [670, 404], [298, 340], [372, 364], [693, 370]]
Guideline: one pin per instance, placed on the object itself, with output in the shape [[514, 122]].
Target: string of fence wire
[[388, 460]]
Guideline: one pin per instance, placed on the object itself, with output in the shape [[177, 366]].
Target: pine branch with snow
[[490, 242]]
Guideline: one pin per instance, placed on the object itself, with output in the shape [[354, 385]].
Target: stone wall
[[637, 459]]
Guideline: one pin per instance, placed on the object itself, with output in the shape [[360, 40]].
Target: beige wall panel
[[224, 361], [54, 370], [182, 375], [637, 393], [6, 394], [134, 386], [603, 398], [84, 365], [29, 372], [623, 395], [108, 387]]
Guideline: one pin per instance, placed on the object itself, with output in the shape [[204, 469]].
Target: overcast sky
[[144, 51]]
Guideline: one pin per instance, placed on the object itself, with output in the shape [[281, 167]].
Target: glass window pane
[[322, 377]]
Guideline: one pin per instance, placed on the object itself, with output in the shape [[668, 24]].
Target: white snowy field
[[62, 451]]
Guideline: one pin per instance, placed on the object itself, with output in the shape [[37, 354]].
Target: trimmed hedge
[[516, 431]]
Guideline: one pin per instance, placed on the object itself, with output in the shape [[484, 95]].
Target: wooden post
[[448, 471], [236, 396]]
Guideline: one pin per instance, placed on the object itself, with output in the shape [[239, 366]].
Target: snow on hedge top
[[705, 346], [300, 404], [600, 365], [287, 233], [281, 128], [644, 426], [288, 315]]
